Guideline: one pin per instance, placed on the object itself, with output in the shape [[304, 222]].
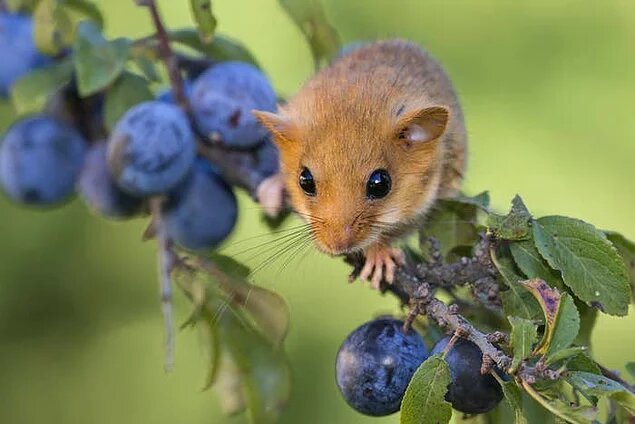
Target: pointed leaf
[[53, 28], [598, 385], [561, 317], [220, 49], [582, 362], [590, 265], [533, 265], [210, 340], [565, 353], [517, 301], [626, 248], [98, 62], [480, 200], [513, 397], [424, 401], [87, 9], [453, 224], [30, 93], [204, 18], [630, 367], [264, 370], [514, 225], [523, 336], [568, 413], [229, 385], [309, 16], [127, 91]]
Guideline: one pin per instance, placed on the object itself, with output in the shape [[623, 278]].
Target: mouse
[[367, 146]]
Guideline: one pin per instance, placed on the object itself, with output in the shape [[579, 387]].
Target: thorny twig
[[416, 285]]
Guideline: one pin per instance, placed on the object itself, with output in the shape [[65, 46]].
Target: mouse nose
[[342, 240]]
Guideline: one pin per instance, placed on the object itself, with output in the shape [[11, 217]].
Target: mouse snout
[[338, 240]]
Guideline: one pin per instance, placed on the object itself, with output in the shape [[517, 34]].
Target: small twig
[[165, 50], [167, 260]]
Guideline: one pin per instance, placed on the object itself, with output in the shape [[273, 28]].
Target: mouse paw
[[381, 262], [270, 195]]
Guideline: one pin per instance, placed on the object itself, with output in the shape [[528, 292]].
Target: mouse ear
[[422, 125], [276, 124]]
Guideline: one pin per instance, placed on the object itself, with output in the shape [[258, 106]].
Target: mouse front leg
[[381, 262], [270, 195]]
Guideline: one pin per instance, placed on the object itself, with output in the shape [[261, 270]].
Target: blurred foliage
[[544, 87]]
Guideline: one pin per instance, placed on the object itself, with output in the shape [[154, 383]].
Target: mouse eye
[[378, 184], [306, 182]]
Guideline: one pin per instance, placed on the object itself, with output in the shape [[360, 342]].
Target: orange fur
[[346, 122]]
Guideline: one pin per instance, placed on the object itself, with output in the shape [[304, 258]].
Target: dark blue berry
[[99, 190], [202, 212], [222, 100], [19, 54], [151, 149], [375, 364], [40, 160], [469, 392]]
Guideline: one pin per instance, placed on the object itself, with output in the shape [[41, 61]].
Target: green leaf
[[533, 265], [98, 62], [514, 225], [145, 59], [598, 385], [566, 412], [220, 49], [626, 248], [517, 301], [582, 362], [588, 317], [204, 18], [480, 200], [264, 370], [424, 401], [87, 9], [590, 265], [523, 336], [630, 367], [309, 16], [453, 224], [230, 266], [210, 341], [513, 397], [561, 318], [30, 93], [127, 91], [53, 28], [565, 354]]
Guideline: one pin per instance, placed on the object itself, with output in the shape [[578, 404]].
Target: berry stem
[[169, 59], [167, 260]]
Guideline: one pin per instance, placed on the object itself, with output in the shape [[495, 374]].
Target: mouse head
[[358, 181]]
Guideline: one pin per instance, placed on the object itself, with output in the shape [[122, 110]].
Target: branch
[[416, 284]]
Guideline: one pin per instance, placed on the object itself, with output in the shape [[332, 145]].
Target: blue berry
[[40, 160], [222, 100], [267, 158], [375, 364], [151, 149], [469, 392], [19, 54], [99, 190], [202, 212]]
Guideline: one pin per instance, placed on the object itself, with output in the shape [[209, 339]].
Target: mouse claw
[[381, 263], [270, 195]]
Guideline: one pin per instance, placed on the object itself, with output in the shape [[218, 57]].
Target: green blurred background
[[547, 88]]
